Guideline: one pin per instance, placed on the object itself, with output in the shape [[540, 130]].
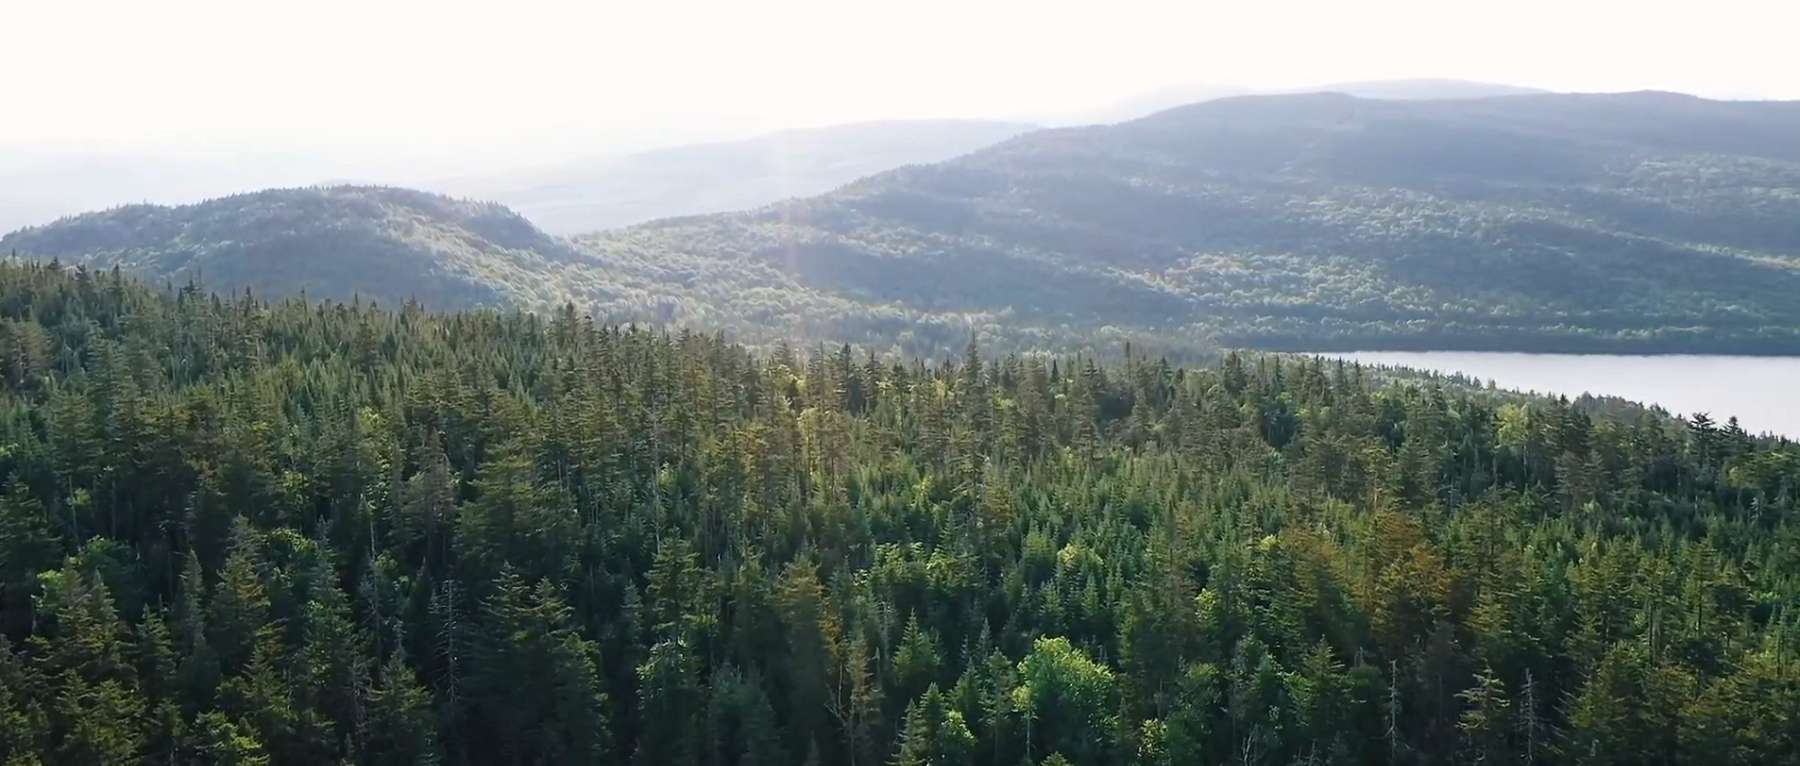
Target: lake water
[[1762, 391]]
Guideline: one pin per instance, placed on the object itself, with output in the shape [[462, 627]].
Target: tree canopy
[[236, 531]]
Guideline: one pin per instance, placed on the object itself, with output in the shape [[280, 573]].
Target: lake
[[1762, 391]]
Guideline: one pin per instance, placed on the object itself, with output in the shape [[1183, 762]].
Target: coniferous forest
[[241, 532]]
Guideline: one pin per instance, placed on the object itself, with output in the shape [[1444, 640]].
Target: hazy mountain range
[[41, 184], [1153, 101], [1647, 221], [1643, 221], [606, 192]]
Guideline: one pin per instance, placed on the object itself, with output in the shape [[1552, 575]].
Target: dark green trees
[[534, 687], [240, 532]]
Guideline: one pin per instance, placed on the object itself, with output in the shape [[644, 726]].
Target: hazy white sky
[[441, 74]]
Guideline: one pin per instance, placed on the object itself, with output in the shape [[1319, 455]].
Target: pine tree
[[401, 729], [238, 613], [934, 734], [24, 723], [740, 723], [668, 700], [219, 740], [855, 700], [534, 682], [95, 707], [242, 531], [915, 660], [1487, 721]]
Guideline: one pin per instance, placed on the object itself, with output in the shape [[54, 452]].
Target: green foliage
[[933, 733], [512, 539], [28, 544], [402, 727], [1068, 700], [1318, 221], [534, 686], [342, 242], [220, 741], [669, 703]]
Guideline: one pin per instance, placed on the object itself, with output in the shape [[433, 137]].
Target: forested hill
[[384, 244], [234, 532], [1643, 222], [1640, 221]]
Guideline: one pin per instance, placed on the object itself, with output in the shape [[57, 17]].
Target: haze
[[536, 79], [114, 102]]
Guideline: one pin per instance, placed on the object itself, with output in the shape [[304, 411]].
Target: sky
[[499, 82]]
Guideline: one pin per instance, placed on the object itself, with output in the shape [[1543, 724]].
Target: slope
[[603, 193], [380, 243], [1643, 221]]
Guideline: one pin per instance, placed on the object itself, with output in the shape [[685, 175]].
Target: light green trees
[[1067, 700]]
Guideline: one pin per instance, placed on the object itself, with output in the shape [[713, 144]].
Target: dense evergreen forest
[[239, 532]]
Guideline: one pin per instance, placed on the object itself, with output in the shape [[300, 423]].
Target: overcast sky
[[534, 76]]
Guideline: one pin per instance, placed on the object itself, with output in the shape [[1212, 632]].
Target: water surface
[[1762, 391]]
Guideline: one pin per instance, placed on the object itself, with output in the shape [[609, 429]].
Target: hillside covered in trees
[[240, 532], [382, 244], [1637, 222], [1644, 222]]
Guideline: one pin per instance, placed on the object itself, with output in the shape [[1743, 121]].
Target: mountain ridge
[[1422, 88], [585, 195], [383, 243], [1423, 223], [1639, 222]]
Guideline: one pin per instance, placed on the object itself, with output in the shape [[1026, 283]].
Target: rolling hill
[[383, 244], [1422, 89], [1642, 222], [1162, 99], [608, 192]]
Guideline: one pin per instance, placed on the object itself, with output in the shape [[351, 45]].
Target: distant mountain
[[1642, 221], [383, 244], [603, 193], [1424, 89], [1150, 102], [1144, 104], [40, 183]]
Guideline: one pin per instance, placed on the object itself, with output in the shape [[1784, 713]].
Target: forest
[[239, 531], [1575, 223]]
